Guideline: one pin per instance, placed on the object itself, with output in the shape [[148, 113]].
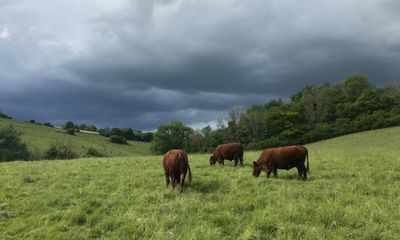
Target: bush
[[268, 143], [35, 154], [61, 151], [70, 131], [69, 125], [3, 115], [48, 124], [118, 139], [106, 132], [92, 152], [11, 145], [147, 137]]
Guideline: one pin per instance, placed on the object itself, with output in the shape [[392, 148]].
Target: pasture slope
[[353, 193], [39, 138]]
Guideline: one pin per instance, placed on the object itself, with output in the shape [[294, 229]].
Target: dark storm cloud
[[142, 63], [62, 101]]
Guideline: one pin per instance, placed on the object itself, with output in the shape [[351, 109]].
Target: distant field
[[41, 137], [353, 193]]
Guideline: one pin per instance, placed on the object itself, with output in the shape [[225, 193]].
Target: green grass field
[[353, 192], [39, 138]]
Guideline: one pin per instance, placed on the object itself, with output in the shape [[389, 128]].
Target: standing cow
[[229, 151], [282, 158], [176, 165]]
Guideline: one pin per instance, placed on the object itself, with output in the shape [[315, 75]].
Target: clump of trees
[[61, 151], [93, 152], [89, 127], [11, 145], [3, 115], [33, 121], [122, 133], [48, 124], [66, 150], [170, 136], [70, 131], [312, 114], [127, 133], [70, 127], [118, 139]]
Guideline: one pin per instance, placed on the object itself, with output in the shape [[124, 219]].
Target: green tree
[[147, 137], [92, 128], [11, 145], [69, 124], [174, 135], [196, 142], [3, 115], [355, 85]]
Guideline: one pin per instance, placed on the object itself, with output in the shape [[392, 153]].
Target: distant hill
[[38, 137]]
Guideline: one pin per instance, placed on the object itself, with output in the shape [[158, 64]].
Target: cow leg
[[236, 159], [182, 181], [300, 172], [167, 179], [304, 172], [241, 160], [221, 162], [268, 174], [173, 180], [275, 171]]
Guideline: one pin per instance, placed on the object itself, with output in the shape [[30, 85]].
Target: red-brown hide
[[229, 151], [287, 157], [176, 166]]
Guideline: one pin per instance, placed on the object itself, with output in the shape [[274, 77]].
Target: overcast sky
[[142, 63]]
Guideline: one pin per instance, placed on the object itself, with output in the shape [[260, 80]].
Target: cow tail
[[190, 174], [308, 166]]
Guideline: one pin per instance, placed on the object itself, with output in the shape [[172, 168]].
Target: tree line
[[312, 114], [117, 135]]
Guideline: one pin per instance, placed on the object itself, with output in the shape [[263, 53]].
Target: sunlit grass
[[353, 193], [39, 138]]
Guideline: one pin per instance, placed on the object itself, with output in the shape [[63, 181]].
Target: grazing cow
[[176, 165], [282, 158], [230, 151]]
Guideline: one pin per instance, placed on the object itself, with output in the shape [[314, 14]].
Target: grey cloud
[[142, 63]]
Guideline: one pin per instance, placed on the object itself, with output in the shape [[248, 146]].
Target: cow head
[[213, 160], [256, 169]]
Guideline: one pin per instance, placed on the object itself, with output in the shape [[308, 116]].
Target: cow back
[[283, 157], [175, 161], [228, 151]]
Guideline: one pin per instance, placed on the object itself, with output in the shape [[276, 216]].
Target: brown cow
[[282, 158], [176, 165], [229, 151]]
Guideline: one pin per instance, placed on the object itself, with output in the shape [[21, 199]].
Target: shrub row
[[12, 148]]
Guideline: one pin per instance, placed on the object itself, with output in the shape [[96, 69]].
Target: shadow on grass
[[287, 175], [205, 186], [232, 164]]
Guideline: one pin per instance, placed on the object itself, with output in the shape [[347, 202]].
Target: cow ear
[[254, 163]]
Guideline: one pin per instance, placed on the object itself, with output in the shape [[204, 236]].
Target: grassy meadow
[[39, 138], [353, 192]]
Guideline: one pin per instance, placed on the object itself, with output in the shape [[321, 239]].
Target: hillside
[[40, 138], [352, 193]]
